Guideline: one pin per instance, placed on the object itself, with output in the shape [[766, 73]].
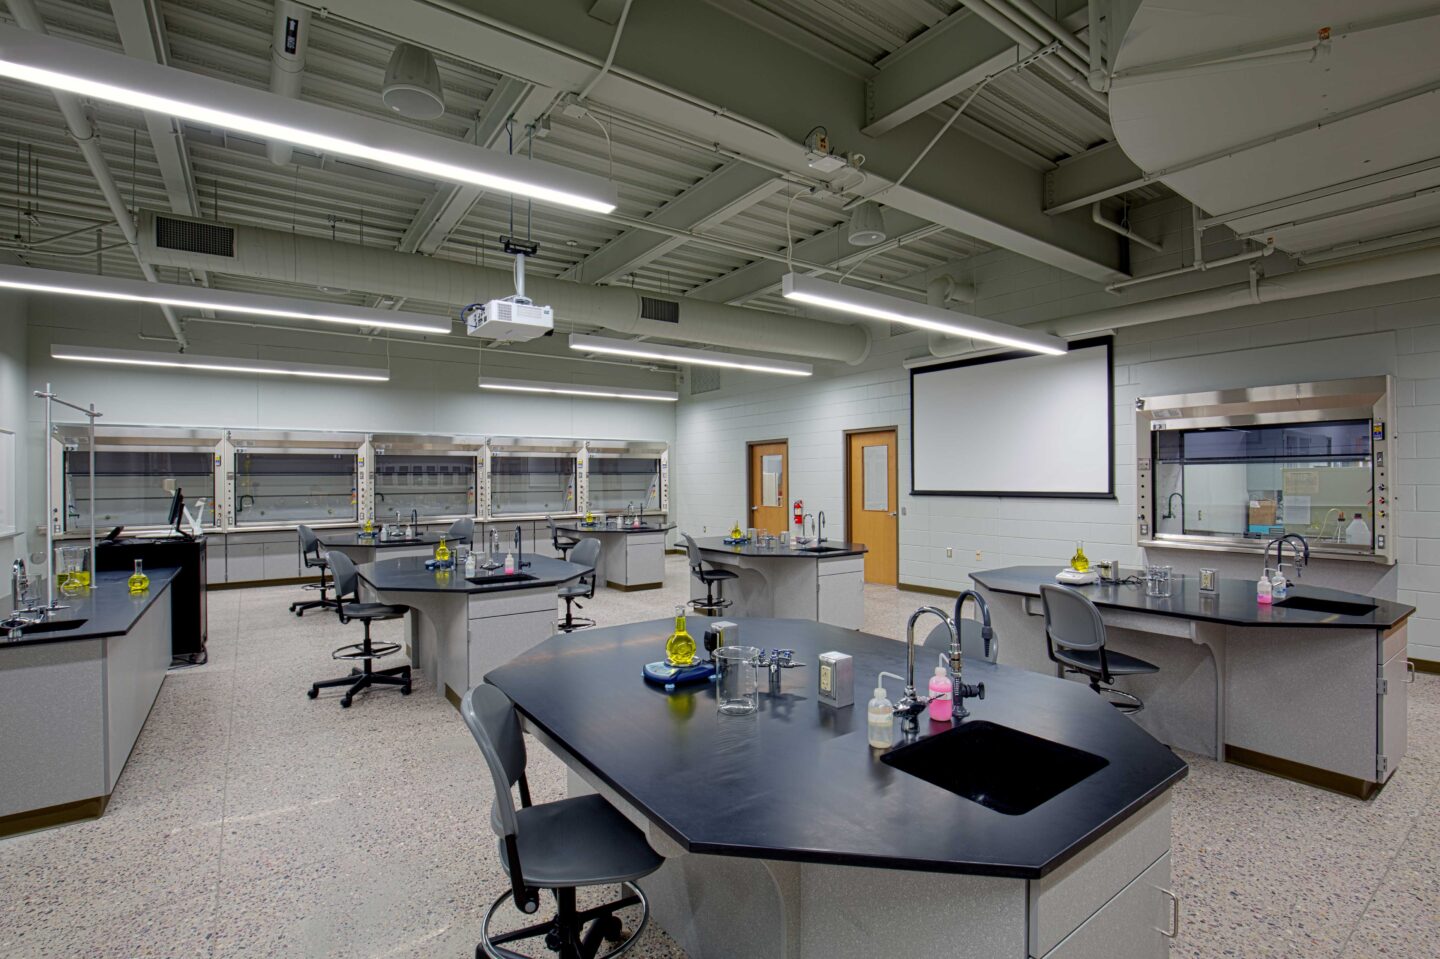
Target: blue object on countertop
[[663, 674], [436, 564]]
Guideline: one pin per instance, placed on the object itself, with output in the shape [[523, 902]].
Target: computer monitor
[[177, 513]]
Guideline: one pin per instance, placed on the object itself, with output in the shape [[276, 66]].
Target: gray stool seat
[[716, 575], [574, 590], [582, 841], [372, 611], [1118, 664]]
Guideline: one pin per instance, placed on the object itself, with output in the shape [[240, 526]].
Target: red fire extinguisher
[[799, 511]]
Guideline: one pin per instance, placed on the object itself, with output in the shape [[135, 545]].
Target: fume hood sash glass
[[283, 489], [130, 487]]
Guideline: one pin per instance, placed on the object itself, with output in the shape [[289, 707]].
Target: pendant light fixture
[[571, 389], [585, 343], [216, 364]]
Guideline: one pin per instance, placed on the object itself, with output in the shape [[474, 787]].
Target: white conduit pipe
[[1198, 267], [87, 138], [1098, 77], [1054, 27], [1413, 265], [287, 68], [1114, 227], [1027, 45], [609, 57], [1036, 34]]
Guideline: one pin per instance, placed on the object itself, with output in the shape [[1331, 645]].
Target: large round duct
[[318, 262]]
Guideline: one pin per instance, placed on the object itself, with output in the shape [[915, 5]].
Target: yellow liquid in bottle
[[442, 552], [369, 526], [736, 532], [680, 647], [1079, 562], [139, 582]]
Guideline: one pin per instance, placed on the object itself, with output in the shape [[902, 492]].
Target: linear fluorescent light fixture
[[570, 389], [680, 354], [221, 301], [116, 78], [217, 364], [849, 299]]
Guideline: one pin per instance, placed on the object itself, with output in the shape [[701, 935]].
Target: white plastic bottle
[[1264, 591], [1279, 586], [470, 564], [880, 720], [509, 563], [1358, 532]]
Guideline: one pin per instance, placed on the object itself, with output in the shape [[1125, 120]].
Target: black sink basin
[[998, 767], [497, 578], [45, 626], [820, 549], [1319, 605]]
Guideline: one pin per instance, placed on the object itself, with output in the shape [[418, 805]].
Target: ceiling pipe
[[1054, 27], [289, 37], [1098, 76], [1316, 281], [317, 262], [1028, 40], [1128, 234], [87, 139]]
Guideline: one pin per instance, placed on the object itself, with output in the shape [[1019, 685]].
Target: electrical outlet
[[704, 529], [949, 552], [978, 556]]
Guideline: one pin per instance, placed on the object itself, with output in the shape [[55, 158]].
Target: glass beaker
[[737, 679], [1157, 581], [67, 561]]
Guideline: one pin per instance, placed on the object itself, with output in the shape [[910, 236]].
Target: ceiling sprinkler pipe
[[1200, 266], [1117, 228], [1098, 77]]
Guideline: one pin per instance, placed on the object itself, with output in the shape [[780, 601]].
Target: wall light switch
[[949, 552], [978, 556]]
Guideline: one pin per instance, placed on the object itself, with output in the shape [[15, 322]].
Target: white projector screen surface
[[1015, 425]]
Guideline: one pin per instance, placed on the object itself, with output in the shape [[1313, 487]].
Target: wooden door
[[769, 485], [874, 502]]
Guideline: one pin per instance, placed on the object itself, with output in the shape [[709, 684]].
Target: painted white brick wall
[[1393, 329]]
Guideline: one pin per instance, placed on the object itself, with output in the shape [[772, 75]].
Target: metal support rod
[[92, 415]]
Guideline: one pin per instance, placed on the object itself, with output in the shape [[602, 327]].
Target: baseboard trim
[[453, 696], [634, 587], [252, 583], [933, 590], [1300, 772], [48, 817], [1426, 666]]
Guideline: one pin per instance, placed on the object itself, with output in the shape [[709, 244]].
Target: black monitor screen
[[177, 508]]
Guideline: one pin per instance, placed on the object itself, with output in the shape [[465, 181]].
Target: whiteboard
[[1015, 425]]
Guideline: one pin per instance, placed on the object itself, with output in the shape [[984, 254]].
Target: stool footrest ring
[[358, 651]]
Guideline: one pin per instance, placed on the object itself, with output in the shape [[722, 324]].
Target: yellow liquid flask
[[736, 532], [1079, 562], [680, 647], [369, 527], [442, 552], [139, 582]]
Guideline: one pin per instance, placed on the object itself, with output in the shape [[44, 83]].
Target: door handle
[[754, 508], [893, 515]]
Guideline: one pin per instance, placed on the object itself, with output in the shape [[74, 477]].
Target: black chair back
[[692, 552], [462, 531], [496, 728], [347, 581], [309, 545], [587, 553], [1072, 623]]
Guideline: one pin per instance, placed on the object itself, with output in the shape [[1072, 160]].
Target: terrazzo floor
[[254, 822]]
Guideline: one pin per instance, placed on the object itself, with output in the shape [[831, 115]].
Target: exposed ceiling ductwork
[[288, 39], [313, 261]]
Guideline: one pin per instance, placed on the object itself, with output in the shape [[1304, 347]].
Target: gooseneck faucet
[[414, 522], [1170, 505], [820, 532], [987, 632], [911, 705], [1302, 552], [19, 586]]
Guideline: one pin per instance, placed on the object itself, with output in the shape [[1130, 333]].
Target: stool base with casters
[[706, 606], [366, 675], [566, 934], [570, 622]]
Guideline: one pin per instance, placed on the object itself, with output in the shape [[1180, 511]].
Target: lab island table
[[75, 692], [631, 557], [459, 627], [364, 549], [1314, 689], [820, 582], [786, 836]]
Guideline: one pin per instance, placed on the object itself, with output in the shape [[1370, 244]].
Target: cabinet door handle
[[1409, 671], [1174, 929]]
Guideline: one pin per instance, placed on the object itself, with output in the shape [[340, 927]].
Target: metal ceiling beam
[[734, 187], [709, 75], [451, 203], [1086, 178], [142, 33], [829, 246], [941, 63]]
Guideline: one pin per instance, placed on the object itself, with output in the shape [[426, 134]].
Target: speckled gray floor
[[253, 822]]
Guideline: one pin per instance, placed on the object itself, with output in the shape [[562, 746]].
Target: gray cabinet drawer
[[1136, 924], [244, 562], [281, 560]]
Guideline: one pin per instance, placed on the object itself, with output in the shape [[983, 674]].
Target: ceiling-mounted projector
[[512, 319]]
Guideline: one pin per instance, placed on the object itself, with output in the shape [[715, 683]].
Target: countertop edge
[[81, 635]]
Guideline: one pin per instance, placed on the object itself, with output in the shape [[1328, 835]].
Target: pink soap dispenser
[[940, 694]]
